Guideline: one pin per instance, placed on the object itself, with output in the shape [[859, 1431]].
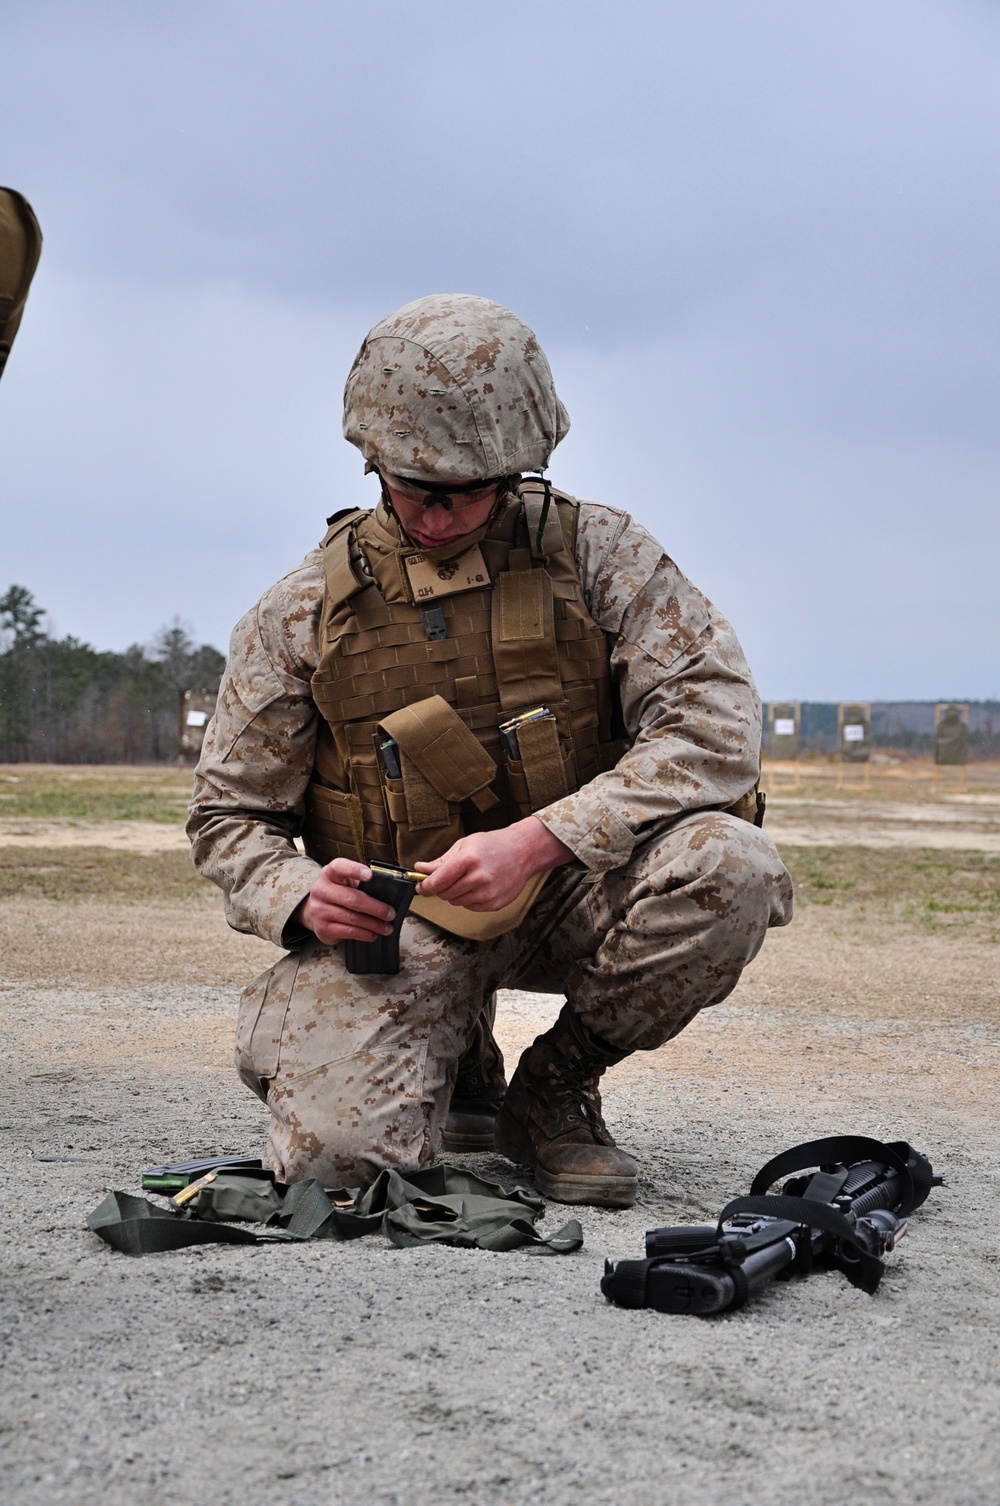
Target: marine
[[521, 697]]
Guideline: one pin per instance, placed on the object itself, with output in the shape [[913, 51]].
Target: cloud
[[759, 241], [854, 562], [169, 449]]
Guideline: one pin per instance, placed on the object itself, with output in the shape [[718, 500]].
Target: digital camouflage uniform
[[667, 896], [669, 901]]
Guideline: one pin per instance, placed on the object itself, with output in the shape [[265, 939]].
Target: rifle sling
[[861, 1268], [845, 1149]]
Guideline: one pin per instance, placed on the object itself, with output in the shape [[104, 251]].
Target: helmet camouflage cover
[[453, 388]]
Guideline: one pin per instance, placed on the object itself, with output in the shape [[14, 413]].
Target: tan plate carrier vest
[[439, 674], [435, 649]]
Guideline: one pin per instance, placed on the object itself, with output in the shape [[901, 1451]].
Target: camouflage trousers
[[358, 1070]]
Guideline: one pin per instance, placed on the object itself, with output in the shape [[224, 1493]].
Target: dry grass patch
[[98, 792], [931, 889], [92, 943], [84, 873], [909, 780]]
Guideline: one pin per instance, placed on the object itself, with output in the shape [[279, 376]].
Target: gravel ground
[[967, 823], [118, 836], [358, 1372]]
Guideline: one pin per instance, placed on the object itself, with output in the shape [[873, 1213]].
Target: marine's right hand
[[335, 909]]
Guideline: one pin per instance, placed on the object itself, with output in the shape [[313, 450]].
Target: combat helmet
[[20, 248], [453, 388]]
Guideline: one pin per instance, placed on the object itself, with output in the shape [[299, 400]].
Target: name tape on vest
[[432, 578]]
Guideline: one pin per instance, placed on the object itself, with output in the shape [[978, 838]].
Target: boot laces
[[574, 1101], [474, 1084]]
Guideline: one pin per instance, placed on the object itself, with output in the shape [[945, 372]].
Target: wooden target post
[[951, 740], [854, 731], [196, 707], [784, 725]]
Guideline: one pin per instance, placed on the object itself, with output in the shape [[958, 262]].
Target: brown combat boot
[[551, 1119], [479, 1091]]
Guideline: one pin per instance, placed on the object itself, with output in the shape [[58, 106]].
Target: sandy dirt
[[900, 813], [968, 823], [117, 836], [358, 1372]]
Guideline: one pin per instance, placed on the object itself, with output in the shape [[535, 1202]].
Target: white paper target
[[197, 718], [784, 726], [854, 732]]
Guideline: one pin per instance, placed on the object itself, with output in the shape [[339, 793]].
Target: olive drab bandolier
[[429, 651]]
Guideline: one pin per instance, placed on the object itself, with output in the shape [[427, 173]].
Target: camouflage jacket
[[688, 700]]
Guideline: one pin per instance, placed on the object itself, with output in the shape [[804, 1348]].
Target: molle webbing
[[526, 639]]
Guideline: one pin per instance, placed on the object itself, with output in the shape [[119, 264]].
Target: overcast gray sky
[[758, 239]]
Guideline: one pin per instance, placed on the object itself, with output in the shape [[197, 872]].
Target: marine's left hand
[[488, 870]]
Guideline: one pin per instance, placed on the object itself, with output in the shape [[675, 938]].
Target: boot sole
[[468, 1144], [599, 1192]]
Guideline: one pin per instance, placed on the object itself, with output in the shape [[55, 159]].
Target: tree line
[[62, 701]]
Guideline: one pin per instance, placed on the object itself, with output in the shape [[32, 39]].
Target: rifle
[[846, 1215]]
